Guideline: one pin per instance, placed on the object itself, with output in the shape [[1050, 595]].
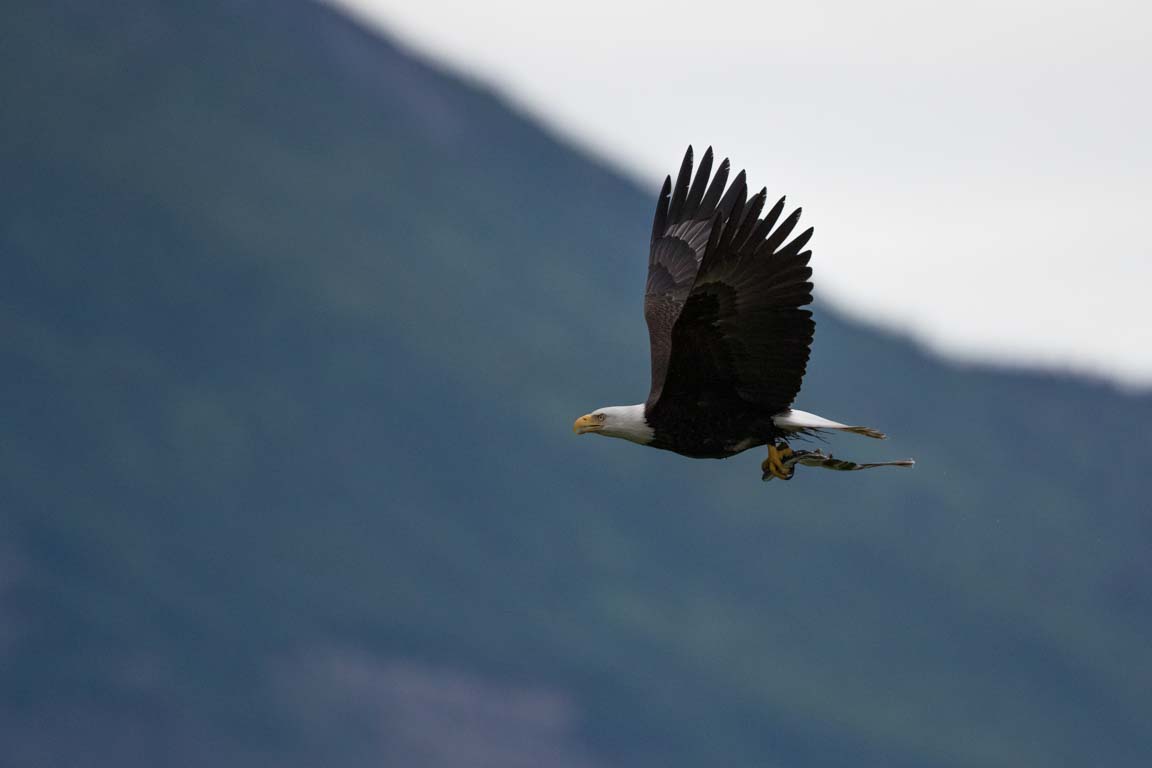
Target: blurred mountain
[[294, 330]]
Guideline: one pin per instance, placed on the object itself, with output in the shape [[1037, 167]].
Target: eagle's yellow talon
[[774, 465]]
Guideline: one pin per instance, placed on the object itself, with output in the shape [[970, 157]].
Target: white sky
[[979, 173]]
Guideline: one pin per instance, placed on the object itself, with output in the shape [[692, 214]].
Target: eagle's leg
[[774, 465]]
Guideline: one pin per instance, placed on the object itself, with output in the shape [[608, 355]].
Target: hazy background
[[294, 325], [979, 173]]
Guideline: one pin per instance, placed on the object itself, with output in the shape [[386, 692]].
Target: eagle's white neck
[[626, 421]]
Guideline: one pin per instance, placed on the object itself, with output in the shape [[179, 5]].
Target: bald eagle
[[728, 333]]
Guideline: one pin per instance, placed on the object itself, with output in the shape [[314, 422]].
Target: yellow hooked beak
[[587, 423]]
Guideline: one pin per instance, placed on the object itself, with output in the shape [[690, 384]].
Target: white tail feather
[[793, 420]]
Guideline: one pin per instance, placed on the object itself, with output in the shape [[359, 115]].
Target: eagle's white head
[[626, 421]]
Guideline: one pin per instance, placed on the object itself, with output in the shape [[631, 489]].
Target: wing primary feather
[[660, 221], [789, 280], [793, 248], [763, 227], [733, 206], [776, 238], [680, 192], [715, 189], [739, 189], [750, 221], [773, 216], [696, 193]]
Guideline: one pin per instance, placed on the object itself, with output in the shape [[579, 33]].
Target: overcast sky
[[979, 173]]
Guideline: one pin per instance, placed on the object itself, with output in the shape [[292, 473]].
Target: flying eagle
[[728, 333]]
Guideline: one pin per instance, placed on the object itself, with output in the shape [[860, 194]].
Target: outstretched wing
[[742, 332], [681, 228]]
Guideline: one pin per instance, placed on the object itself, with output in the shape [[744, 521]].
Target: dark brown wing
[[680, 232], [741, 331]]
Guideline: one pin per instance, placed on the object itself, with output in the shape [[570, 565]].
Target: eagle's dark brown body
[[712, 431]]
